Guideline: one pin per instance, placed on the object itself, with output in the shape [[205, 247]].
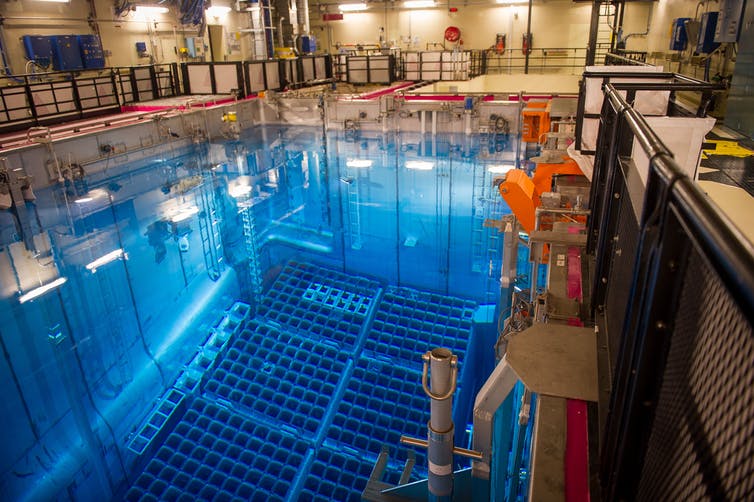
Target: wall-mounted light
[[359, 163], [500, 168], [419, 4], [37, 292], [420, 165], [217, 10], [352, 7], [105, 259], [150, 10]]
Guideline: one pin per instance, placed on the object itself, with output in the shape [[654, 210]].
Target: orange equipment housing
[[522, 194], [536, 121]]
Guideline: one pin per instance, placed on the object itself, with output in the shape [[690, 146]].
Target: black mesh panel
[[621, 274], [702, 439]]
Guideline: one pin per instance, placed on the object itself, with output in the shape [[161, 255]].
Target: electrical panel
[[729, 22], [706, 42], [38, 49], [91, 51], [66, 53], [679, 36]]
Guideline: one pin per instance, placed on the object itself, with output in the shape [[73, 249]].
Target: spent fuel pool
[[249, 316], [368, 249]]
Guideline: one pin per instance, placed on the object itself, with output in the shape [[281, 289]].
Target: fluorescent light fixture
[[419, 4], [151, 10], [511, 2], [352, 7], [184, 214], [55, 1], [420, 165], [104, 260], [358, 163], [500, 168], [37, 292], [239, 191], [82, 200], [217, 10]]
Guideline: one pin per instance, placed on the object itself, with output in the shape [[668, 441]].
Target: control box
[[679, 37], [38, 48], [308, 44], [66, 53], [91, 51], [706, 42]]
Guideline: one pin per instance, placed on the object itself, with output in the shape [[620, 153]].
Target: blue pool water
[[350, 257]]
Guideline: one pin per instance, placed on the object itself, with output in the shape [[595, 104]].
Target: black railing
[[137, 84], [48, 98], [680, 420], [588, 114]]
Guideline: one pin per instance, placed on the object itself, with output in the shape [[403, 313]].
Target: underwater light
[[420, 165], [359, 163], [105, 259], [184, 214], [500, 168], [239, 191], [37, 292], [82, 200], [352, 7]]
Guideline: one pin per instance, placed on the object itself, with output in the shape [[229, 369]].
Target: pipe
[[490, 397], [422, 443], [444, 368], [302, 6]]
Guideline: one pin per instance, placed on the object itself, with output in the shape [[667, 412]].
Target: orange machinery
[[522, 194]]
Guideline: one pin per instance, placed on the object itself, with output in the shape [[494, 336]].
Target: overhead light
[[238, 191], [217, 10], [352, 7], [82, 200], [419, 4], [359, 163], [104, 260], [184, 214], [500, 168], [37, 292], [151, 10], [55, 1], [420, 165]]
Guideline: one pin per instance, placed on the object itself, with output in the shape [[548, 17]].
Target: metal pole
[[443, 365]]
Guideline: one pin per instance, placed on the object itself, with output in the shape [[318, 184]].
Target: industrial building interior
[[382, 250]]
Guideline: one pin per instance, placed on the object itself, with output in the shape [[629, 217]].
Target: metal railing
[[644, 81], [545, 60], [41, 99], [145, 83], [679, 419]]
